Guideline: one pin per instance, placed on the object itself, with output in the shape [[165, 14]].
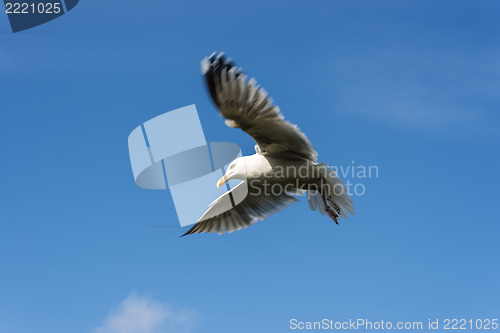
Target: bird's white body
[[260, 168]]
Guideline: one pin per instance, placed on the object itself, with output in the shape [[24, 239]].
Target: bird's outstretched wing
[[247, 106], [252, 209]]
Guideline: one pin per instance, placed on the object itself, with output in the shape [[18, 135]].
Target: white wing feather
[[251, 209]]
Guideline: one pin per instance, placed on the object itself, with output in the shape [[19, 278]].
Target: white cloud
[[142, 314]]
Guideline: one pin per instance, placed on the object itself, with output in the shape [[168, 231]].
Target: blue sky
[[411, 87]]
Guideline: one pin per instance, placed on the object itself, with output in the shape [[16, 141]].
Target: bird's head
[[236, 170]]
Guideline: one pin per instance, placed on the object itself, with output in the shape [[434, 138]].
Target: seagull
[[284, 165]]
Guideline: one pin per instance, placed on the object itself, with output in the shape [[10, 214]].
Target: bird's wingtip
[[212, 62], [205, 63]]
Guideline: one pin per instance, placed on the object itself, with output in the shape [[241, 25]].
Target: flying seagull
[[285, 164]]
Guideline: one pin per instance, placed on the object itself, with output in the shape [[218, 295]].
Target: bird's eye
[[231, 166]]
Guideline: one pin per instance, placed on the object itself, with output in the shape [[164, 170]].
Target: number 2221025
[[32, 8]]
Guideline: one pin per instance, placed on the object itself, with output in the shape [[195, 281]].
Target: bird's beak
[[221, 181]]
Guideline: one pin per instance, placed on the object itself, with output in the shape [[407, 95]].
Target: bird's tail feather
[[332, 196]]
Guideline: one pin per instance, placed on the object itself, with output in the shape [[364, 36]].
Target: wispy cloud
[[143, 314], [423, 89]]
